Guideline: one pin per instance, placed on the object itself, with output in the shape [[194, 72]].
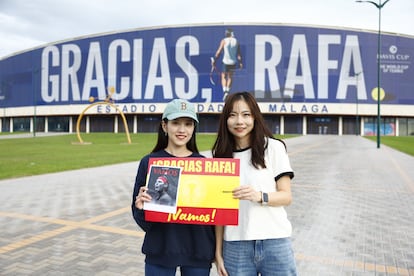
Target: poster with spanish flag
[[203, 192]]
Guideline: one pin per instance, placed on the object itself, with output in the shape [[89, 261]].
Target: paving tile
[[351, 215]]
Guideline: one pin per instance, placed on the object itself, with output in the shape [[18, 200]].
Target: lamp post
[[356, 104], [379, 6]]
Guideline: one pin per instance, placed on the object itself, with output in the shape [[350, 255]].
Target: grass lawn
[[401, 143], [40, 155]]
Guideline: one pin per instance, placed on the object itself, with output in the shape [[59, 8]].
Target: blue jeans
[[157, 270], [267, 257]]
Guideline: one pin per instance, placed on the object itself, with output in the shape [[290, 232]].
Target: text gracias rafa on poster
[[203, 192]]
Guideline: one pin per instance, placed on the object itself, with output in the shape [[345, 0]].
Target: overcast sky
[[25, 24]]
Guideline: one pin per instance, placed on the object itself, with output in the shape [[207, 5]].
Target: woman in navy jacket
[[169, 245]]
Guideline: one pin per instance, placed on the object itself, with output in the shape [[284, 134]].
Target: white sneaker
[[225, 96]]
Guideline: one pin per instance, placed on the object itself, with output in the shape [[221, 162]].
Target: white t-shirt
[[258, 222]]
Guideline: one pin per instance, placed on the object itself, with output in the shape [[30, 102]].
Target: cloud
[[26, 24]]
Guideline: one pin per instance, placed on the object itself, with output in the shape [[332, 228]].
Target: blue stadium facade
[[307, 79]]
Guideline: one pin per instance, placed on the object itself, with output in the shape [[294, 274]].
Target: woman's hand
[[221, 271], [142, 197], [247, 192]]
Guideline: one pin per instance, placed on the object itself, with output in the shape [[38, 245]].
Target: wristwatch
[[265, 198]]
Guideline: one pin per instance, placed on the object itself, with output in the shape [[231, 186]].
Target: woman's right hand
[[221, 271], [142, 197]]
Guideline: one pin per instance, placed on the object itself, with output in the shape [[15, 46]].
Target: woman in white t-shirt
[[260, 243]]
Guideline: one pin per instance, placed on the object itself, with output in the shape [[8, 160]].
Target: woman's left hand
[[247, 192]]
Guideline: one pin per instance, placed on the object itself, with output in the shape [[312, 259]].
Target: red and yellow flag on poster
[[204, 191]]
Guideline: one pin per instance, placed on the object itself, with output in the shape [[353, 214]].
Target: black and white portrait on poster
[[163, 183]]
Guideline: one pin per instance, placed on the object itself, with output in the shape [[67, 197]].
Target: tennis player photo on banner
[[193, 190]]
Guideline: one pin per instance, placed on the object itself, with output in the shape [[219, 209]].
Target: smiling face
[[240, 123], [179, 131]]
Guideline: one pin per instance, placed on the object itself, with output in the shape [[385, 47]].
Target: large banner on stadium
[[281, 63]]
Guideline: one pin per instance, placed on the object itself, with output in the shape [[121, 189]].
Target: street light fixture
[[379, 6]]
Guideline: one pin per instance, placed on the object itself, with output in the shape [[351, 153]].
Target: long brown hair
[[225, 145]]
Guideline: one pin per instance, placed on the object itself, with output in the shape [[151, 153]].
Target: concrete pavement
[[352, 214]]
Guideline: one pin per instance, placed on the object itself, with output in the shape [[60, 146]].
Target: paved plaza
[[352, 214]]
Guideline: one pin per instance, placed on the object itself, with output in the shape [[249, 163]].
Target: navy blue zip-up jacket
[[172, 244]]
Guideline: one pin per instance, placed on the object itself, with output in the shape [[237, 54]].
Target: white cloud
[[26, 24]]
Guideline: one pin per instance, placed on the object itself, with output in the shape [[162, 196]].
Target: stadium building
[[307, 79]]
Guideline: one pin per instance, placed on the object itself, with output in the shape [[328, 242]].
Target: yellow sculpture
[[107, 101]]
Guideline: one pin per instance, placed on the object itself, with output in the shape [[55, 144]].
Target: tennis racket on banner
[[214, 73]]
